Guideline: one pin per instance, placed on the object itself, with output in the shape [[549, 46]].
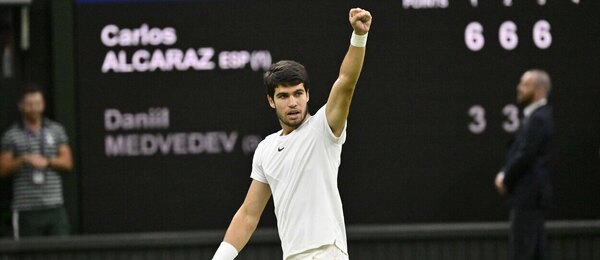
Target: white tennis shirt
[[301, 169]]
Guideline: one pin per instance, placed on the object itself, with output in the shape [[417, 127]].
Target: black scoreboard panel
[[172, 106]]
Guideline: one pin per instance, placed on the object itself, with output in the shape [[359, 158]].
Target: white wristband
[[359, 40], [225, 252]]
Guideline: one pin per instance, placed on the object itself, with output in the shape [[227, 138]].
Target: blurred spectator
[[33, 151], [525, 176]]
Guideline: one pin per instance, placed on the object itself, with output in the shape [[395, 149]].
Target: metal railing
[[570, 240]]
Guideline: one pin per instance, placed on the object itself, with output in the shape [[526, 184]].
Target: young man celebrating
[[298, 165]]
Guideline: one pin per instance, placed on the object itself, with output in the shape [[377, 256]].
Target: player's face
[[32, 106], [526, 89], [290, 104]]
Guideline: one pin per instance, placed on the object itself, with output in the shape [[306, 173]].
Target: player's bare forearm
[[246, 219], [241, 229], [340, 97], [351, 68]]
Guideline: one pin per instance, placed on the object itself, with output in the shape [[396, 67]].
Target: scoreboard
[[171, 105]]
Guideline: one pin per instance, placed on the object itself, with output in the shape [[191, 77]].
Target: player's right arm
[[246, 219]]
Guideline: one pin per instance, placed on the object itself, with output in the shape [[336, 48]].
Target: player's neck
[[286, 129]]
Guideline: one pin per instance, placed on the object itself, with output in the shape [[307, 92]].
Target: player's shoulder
[[321, 111], [319, 115], [318, 119]]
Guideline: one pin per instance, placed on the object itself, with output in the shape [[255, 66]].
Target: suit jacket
[[526, 173]]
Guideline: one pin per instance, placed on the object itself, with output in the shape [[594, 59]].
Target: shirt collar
[[533, 106]]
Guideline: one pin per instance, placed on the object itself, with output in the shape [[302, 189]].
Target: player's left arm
[[340, 97]]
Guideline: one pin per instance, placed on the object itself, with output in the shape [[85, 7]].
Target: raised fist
[[360, 20]]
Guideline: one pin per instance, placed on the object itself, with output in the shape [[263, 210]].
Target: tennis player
[[298, 165]]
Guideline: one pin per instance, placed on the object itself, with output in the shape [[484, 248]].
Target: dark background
[[28, 65], [409, 156]]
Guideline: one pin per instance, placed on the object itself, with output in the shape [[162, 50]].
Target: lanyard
[[42, 142]]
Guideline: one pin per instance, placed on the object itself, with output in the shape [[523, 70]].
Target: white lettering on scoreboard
[[155, 118], [171, 143], [425, 4], [112, 36], [146, 59], [139, 143]]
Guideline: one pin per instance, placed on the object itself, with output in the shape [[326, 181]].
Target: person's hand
[[36, 160], [360, 20], [500, 183]]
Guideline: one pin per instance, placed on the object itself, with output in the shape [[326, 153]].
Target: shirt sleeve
[[257, 170], [61, 136], [7, 143], [322, 126]]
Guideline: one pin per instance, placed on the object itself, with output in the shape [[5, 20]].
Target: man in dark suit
[[524, 179]]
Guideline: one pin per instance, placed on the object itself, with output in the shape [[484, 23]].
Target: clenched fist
[[360, 20]]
